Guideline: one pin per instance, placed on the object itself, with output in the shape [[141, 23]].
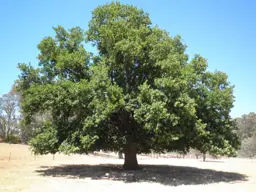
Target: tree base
[[204, 157], [130, 157], [131, 167]]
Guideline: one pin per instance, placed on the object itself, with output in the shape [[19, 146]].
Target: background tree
[[9, 115], [248, 147], [139, 94], [247, 134], [247, 125]]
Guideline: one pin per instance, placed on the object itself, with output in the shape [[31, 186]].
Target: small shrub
[[14, 139]]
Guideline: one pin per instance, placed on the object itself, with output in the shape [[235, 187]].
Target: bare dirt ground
[[25, 172]]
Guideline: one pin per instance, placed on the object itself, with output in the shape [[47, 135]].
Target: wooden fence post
[[10, 156]]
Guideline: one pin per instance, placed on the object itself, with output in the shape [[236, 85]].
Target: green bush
[[14, 139]]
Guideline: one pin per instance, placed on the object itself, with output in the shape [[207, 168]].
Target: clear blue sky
[[222, 31]]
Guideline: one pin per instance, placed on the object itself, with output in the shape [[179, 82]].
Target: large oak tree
[[139, 93]]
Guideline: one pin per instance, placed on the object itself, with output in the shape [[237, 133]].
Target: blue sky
[[224, 32]]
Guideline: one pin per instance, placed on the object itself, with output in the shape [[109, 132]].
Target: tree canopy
[[141, 92]]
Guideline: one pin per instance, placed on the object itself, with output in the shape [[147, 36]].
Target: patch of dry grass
[[24, 172]]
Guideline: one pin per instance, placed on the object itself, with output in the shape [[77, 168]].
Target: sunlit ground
[[22, 171]]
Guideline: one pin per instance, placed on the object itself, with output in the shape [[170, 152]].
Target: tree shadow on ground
[[163, 174]]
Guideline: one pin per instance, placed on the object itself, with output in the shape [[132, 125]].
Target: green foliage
[[45, 141], [140, 89], [28, 131]]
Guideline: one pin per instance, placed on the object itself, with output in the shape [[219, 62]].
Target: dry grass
[[24, 172]]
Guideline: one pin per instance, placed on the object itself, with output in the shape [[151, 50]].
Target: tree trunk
[[130, 157], [120, 155], [204, 157]]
